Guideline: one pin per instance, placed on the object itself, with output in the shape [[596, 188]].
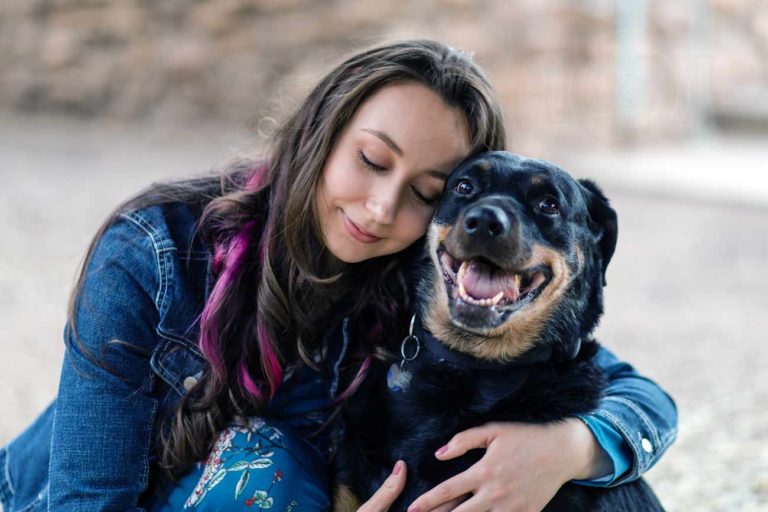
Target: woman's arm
[[103, 422], [634, 424], [525, 464]]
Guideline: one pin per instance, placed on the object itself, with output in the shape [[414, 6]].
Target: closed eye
[[366, 162], [428, 201]]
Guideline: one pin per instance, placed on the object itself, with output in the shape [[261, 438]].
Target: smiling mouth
[[485, 285], [357, 232]]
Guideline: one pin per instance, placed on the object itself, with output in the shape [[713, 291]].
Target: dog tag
[[398, 379]]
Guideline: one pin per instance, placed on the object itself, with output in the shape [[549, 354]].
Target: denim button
[[189, 382], [646, 444]]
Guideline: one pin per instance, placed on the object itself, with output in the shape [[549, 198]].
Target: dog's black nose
[[486, 220]]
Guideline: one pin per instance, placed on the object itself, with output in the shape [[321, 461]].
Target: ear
[[603, 221]]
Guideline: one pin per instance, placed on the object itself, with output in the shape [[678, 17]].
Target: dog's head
[[518, 251]]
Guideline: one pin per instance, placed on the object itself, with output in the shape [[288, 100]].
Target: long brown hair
[[277, 286]]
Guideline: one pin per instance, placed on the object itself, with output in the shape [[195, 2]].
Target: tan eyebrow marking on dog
[[484, 165], [538, 179]]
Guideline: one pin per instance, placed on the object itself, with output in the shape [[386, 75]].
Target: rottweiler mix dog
[[509, 290]]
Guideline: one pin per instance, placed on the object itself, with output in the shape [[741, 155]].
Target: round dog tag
[[398, 379]]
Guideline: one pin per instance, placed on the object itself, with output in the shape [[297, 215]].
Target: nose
[[383, 205], [486, 220]]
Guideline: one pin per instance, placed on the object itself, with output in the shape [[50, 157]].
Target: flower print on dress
[[251, 457]]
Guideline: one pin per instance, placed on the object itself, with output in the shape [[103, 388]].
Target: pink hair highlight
[[247, 383], [257, 178], [355, 384], [231, 261], [227, 262], [270, 363]]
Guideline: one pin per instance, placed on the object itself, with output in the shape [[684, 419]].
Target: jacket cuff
[[639, 434], [613, 445]]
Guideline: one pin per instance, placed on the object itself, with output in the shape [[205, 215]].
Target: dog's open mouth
[[481, 283]]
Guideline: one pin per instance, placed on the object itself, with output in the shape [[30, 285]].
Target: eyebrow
[[386, 139]]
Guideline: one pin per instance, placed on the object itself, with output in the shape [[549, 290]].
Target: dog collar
[[420, 341]]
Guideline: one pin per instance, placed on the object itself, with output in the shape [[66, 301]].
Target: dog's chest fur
[[444, 399]]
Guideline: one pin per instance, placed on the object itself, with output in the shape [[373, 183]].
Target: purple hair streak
[[228, 262], [356, 381]]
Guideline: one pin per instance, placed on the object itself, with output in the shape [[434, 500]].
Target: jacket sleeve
[[635, 422], [103, 421]]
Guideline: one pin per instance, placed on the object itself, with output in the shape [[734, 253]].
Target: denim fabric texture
[[93, 448]]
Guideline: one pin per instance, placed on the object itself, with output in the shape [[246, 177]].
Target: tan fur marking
[[514, 337], [437, 306], [485, 165], [579, 257], [344, 500], [440, 233], [538, 179]]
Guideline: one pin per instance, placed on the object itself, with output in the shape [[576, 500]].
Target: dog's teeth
[[495, 300], [462, 292], [462, 270]]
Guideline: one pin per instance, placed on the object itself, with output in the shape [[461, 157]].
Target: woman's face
[[387, 170]]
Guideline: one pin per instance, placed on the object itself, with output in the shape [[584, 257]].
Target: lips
[[357, 232]]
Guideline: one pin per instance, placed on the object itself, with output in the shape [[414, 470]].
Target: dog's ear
[[603, 221]]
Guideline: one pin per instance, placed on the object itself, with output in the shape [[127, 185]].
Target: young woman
[[218, 324]]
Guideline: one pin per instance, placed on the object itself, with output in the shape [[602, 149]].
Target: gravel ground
[[686, 300]]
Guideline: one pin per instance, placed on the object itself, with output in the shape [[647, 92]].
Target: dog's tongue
[[482, 282]]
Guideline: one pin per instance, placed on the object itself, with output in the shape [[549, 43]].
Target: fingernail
[[440, 451], [413, 508], [398, 467]]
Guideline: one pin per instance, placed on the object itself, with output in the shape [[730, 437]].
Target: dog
[[509, 289]]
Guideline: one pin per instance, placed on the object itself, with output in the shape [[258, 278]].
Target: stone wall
[[238, 61]]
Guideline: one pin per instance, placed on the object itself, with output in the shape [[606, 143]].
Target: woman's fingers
[[452, 490], [461, 443], [388, 492], [474, 504], [451, 505]]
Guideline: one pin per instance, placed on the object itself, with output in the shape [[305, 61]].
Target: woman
[[225, 321]]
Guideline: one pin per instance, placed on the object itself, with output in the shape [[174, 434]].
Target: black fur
[[556, 379]]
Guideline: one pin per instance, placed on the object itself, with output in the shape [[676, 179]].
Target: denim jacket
[[93, 448]]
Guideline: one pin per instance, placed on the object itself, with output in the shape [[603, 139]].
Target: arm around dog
[[634, 424]]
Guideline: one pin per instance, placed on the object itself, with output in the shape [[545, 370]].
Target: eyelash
[[379, 169], [372, 166]]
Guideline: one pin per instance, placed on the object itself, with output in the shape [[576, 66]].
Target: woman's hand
[[388, 492], [523, 467]]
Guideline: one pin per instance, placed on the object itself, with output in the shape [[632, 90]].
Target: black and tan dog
[[508, 293]]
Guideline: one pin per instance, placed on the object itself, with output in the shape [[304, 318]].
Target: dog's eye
[[464, 187], [549, 206]]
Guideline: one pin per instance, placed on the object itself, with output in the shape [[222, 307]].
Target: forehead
[[415, 118], [509, 172]]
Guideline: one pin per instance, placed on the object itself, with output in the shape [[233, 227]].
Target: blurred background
[[663, 103]]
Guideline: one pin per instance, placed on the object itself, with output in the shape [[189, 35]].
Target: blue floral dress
[[256, 467], [278, 461]]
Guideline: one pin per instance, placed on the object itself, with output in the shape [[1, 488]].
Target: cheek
[[414, 225], [341, 179]]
